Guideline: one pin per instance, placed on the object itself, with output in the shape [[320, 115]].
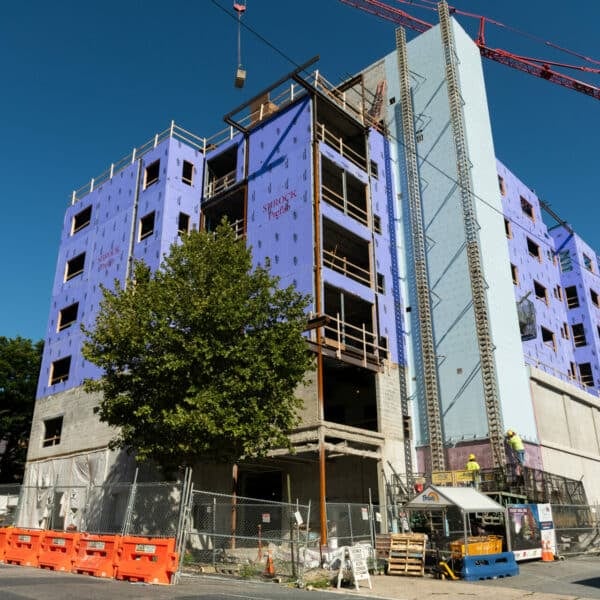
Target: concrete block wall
[[82, 431]]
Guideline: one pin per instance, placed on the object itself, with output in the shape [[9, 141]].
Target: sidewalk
[[396, 587]]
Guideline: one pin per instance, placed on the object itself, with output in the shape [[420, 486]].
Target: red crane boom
[[533, 66]]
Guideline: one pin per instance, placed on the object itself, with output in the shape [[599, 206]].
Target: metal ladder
[[419, 256], [478, 285]]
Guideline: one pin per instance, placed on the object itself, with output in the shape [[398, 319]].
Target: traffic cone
[[547, 554], [270, 568]]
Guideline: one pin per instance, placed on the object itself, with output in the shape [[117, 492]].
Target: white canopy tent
[[467, 499]]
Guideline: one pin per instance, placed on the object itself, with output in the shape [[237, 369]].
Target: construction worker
[[472, 464], [516, 445], [473, 467]]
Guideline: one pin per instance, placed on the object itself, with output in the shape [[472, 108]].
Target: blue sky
[[85, 82]]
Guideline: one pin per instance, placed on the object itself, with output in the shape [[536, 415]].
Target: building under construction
[[444, 310]]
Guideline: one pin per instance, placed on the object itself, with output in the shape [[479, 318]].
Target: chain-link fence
[[9, 502], [577, 529], [349, 524], [238, 534], [147, 509]]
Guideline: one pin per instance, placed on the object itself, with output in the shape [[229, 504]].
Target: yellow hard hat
[[471, 457], [510, 432]]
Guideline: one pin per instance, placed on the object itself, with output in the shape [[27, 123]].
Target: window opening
[[594, 298], [548, 338], [558, 293], [183, 224], [587, 263], [572, 297], [151, 173], [59, 371], [501, 185], [565, 261], [572, 370], [579, 338], [564, 331], [533, 249], [540, 292], [374, 170], [515, 274], [146, 226], [507, 228], [527, 208], [380, 284], [187, 172], [75, 266], [67, 316], [81, 219], [52, 432], [377, 223], [586, 375]]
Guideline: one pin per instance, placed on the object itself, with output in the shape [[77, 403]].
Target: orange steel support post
[[318, 309]]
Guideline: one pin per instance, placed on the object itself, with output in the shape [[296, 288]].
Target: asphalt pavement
[[573, 579]]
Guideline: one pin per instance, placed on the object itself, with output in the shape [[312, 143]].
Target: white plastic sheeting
[[55, 491]]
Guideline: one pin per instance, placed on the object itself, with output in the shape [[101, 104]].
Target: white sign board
[[356, 562]]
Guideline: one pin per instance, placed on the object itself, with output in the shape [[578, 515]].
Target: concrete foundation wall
[[568, 421]]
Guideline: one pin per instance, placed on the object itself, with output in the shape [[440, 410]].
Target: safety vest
[[516, 443], [472, 465]]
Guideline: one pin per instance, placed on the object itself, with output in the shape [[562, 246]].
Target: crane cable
[[240, 8]]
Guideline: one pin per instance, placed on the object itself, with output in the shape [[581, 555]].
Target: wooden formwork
[[407, 554]]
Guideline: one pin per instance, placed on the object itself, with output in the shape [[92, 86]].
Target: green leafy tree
[[201, 358], [20, 361]]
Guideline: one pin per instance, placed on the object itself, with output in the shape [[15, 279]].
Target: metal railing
[[342, 265], [174, 131], [278, 99], [346, 206], [338, 144], [219, 184], [348, 338]]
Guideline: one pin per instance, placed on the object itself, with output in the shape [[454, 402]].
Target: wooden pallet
[[407, 554], [382, 545]]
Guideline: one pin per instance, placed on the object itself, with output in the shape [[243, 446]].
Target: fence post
[[350, 524], [130, 503], [291, 524], [372, 524], [181, 534], [214, 528]]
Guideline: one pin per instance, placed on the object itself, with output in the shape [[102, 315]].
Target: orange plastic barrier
[[58, 550], [151, 560], [23, 547], [97, 555], [4, 535]]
